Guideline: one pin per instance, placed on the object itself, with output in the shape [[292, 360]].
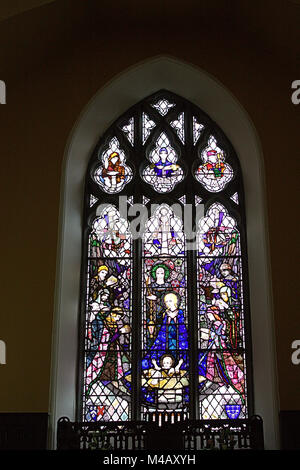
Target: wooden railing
[[159, 434]]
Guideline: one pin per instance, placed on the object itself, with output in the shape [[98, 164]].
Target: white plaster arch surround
[[107, 105]]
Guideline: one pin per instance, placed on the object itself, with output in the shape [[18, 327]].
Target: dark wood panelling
[[23, 431]]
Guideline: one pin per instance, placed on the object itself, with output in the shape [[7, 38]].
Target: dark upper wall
[[9, 8], [54, 60]]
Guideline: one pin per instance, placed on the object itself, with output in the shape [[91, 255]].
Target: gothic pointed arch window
[[165, 320]]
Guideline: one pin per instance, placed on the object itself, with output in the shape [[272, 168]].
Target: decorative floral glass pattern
[[93, 200], [197, 130], [128, 130], [178, 125], [163, 106], [235, 198], [147, 126]]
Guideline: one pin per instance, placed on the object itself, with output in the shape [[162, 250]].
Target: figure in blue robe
[[172, 336], [163, 168]]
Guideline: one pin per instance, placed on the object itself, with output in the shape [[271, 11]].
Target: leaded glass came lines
[[164, 172], [148, 125], [221, 359], [178, 125], [165, 358], [113, 174], [128, 130], [214, 173], [108, 324], [164, 316], [163, 106]]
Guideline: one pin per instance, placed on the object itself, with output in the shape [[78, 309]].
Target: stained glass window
[[164, 308], [128, 130], [178, 125], [107, 394], [197, 130], [222, 366], [165, 361], [148, 125], [163, 106], [93, 200], [235, 198]]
